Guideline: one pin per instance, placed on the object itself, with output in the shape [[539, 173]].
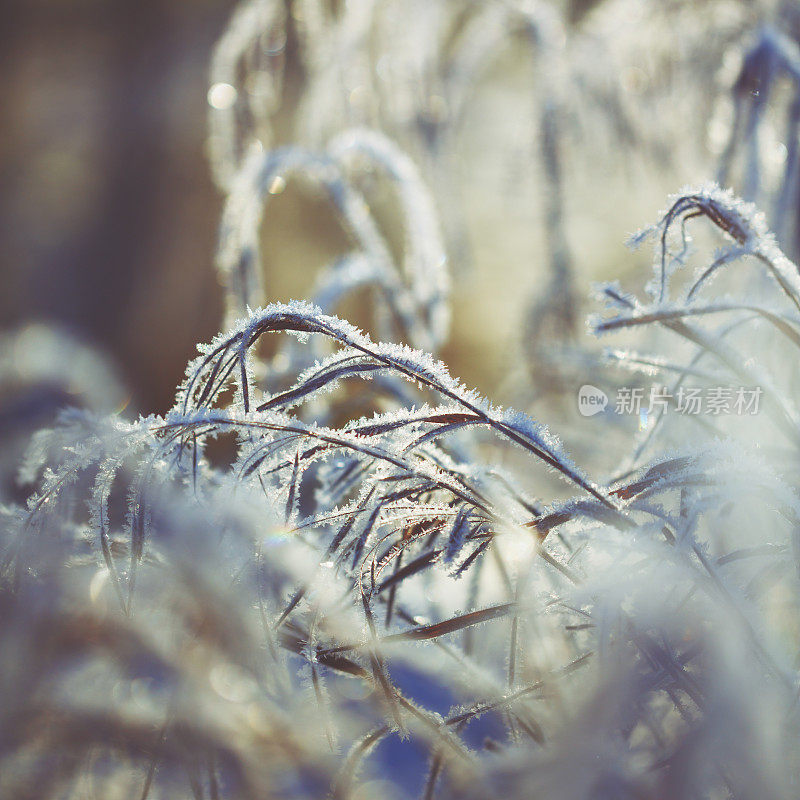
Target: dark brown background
[[107, 212]]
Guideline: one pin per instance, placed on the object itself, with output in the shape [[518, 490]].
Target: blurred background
[[109, 216]]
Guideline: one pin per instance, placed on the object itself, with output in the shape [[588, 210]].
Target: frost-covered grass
[[332, 569]]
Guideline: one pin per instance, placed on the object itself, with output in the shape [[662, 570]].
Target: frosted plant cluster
[[333, 570]]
